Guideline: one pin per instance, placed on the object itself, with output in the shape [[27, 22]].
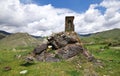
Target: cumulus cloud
[[44, 20]]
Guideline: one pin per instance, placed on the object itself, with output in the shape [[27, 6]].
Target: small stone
[[18, 56], [49, 46], [14, 49], [102, 49], [99, 61], [7, 68], [29, 59], [79, 65], [24, 72], [101, 67], [91, 58]]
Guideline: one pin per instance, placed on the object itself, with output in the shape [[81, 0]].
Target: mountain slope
[[3, 34], [113, 34], [18, 40], [110, 36]]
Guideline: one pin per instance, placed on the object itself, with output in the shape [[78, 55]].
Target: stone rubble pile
[[60, 46]]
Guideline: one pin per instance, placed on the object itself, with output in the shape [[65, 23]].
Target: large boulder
[[40, 57], [69, 51], [39, 49], [61, 40]]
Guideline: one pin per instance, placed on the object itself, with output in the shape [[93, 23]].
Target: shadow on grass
[[27, 64]]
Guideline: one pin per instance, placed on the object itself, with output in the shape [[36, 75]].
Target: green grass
[[110, 59], [7, 58]]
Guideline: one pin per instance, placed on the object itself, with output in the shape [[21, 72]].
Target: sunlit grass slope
[[110, 59]]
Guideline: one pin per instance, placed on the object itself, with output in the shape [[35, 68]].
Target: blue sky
[[75, 5]]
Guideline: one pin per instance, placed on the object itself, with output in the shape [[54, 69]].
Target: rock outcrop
[[61, 46]]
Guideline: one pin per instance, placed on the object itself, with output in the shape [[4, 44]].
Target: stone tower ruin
[[69, 26], [63, 45]]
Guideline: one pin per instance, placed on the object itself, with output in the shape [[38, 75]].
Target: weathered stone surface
[[63, 45], [61, 40], [69, 26], [40, 57], [23, 71], [40, 49], [69, 51], [52, 59]]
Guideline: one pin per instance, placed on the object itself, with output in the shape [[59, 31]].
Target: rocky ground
[[60, 46]]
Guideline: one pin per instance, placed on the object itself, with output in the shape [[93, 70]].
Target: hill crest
[[19, 39]]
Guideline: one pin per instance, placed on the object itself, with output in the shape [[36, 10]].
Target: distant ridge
[[19, 40], [24, 39], [36, 36], [109, 36], [4, 32], [114, 33], [85, 35]]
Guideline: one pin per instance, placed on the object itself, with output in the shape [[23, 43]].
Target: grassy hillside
[[105, 37], [18, 40], [108, 64], [108, 59]]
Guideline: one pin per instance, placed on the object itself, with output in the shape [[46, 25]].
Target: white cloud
[[43, 20]]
